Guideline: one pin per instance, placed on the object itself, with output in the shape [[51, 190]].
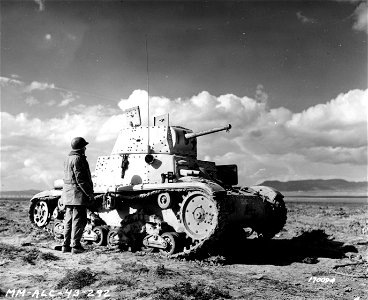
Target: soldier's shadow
[[307, 248]]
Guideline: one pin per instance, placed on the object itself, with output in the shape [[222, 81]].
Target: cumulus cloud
[[35, 85], [361, 17], [303, 18], [31, 101], [322, 141], [68, 98], [261, 95], [5, 81]]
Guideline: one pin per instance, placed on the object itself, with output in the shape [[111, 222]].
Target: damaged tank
[[153, 193]]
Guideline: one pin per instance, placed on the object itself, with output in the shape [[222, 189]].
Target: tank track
[[276, 214], [196, 246], [276, 219]]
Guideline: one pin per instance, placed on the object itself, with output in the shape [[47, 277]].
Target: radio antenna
[[148, 100]]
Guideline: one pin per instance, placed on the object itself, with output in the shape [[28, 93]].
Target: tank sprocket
[[199, 215], [203, 217]]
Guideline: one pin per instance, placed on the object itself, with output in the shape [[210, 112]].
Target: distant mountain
[[317, 185]]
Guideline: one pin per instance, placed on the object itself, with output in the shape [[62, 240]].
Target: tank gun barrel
[[205, 132]]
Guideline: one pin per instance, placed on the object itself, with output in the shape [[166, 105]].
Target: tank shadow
[[306, 248]]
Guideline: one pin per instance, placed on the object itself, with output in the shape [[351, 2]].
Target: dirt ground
[[320, 254]]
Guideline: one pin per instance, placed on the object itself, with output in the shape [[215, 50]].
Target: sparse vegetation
[[161, 270], [135, 267], [48, 256], [251, 271], [9, 251], [121, 281], [2, 293], [28, 255], [186, 290], [31, 255], [77, 279], [38, 278]]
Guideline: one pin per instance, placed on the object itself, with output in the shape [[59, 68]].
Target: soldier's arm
[[81, 176]]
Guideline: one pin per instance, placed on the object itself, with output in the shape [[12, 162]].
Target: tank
[[152, 193]]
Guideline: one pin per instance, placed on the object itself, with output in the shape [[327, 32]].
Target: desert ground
[[320, 254]]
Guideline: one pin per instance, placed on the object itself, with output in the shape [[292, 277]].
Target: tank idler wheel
[[40, 213], [164, 200], [101, 236], [113, 239], [171, 239]]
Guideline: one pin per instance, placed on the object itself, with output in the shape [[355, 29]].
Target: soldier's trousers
[[75, 219]]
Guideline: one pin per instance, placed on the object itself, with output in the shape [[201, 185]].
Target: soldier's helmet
[[78, 143]]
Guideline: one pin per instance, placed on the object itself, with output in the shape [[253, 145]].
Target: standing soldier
[[77, 195]]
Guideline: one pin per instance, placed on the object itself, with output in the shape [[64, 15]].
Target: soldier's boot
[[78, 249], [66, 249]]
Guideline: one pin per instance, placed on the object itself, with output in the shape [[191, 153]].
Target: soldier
[[77, 195]]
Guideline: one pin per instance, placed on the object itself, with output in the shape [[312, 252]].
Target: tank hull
[[200, 213]]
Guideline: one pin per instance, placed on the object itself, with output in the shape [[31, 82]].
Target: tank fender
[[207, 185], [267, 193], [48, 193], [187, 182]]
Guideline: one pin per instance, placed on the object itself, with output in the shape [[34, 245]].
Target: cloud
[[35, 85], [261, 95], [361, 17], [323, 141], [304, 19], [68, 98], [41, 4], [31, 101], [5, 81], [51, 102]]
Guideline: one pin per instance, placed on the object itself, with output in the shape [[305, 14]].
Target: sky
[[290, 77]]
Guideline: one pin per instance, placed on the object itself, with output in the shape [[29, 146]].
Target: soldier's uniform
[[77, 195]]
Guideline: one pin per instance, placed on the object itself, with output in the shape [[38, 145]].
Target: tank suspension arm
[[205, 132]]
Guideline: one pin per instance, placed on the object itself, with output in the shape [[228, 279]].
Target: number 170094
[[315, 279]]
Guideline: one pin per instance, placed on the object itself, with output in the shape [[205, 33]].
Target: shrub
[[77, 279]]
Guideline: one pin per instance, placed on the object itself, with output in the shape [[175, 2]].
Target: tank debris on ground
[[153, 193]]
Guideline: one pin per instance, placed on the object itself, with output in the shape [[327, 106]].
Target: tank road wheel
[[171, 239], [83, 242], [113, 239], [40, 213], [61, 205], [58, 229], [100, 235], [164, 200], [57, 214], [199, 215]]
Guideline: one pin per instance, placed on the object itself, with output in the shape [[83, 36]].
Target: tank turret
[[153, 183]]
